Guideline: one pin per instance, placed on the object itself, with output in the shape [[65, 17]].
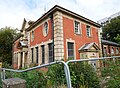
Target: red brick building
[[110, 48], [58, 34]]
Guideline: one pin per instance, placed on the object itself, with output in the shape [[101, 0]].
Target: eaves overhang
[[63, 10]]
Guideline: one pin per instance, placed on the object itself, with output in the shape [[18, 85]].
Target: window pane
[[36, 54], [76, 28], [50, 52], [70, 50], [112, 50], [32, 54], [46, 28], [88, 30], [43, 54], [117, 51], [32, 35]]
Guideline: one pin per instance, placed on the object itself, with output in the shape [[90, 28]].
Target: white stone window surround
[[71, 41], [32, 35], [88, 31], [112, 50], [77, 25], [117, 50], [45, 29], [39, 48]]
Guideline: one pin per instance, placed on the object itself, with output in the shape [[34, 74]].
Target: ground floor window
[[117, 51], [105, 51], [32, 51], [112, 50], [70, 47], [36, 54], [50, 46], [43, 54]]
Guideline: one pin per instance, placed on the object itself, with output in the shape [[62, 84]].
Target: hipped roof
[[63, 10]]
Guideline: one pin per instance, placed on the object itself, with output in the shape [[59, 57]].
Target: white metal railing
[[66, 67]]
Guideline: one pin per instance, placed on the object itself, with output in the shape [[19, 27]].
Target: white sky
[[12, 12]]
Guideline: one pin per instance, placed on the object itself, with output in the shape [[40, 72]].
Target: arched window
[[112, 50], [117, 51], [45, 29]]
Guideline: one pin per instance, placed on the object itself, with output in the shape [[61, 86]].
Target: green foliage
[[56, 75], [117, 39], [7, 36], [34, 79], [112, 29], [82, 75], [6, 65], [113, 72]]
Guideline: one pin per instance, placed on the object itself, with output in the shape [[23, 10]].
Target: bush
[[56, 75], [113, 72], [82, 75], [34, 79]]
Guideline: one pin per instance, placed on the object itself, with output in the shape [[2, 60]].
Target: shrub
[[56, 75], [113, 72], [34, 79], [82, 75]]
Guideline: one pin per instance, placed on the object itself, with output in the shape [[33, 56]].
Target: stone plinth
[[14, 83]]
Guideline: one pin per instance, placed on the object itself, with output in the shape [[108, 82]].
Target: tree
[[7, 36], [112, 29], [117, 38]]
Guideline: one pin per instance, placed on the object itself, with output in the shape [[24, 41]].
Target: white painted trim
[[90, 31], [78, 27], [39, 47], [72, 41], [43, 28]]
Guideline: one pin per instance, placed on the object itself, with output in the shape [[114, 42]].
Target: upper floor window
[[88, 31], [76, 27], [45, 29], [32, 36], [70, 50]]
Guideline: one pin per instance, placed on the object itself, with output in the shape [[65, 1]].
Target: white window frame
[[44, 28], [112, 50], [77, 27], [117, 50], [88, 31], [72, 41], [32, 35]]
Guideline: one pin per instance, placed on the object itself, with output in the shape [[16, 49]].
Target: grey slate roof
[[109, 43]]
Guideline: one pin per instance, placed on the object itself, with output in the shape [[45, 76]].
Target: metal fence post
[[114, 59], [3, 74], [67, 74]]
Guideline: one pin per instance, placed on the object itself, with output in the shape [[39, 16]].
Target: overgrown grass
[[82, 76]]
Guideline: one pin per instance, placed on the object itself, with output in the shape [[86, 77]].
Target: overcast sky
[[12, 12]]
